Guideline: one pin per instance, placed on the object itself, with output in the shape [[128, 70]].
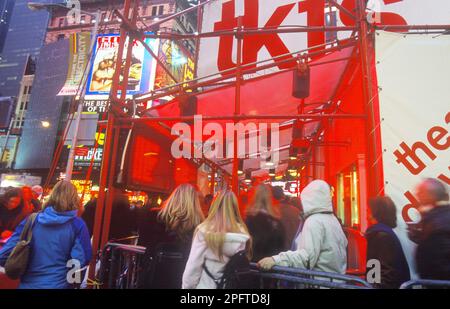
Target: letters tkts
[[272, 42]]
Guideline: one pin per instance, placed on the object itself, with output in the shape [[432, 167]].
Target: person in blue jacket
[[60, 242]]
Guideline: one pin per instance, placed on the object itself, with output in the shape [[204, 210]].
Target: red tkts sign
[[220, 53]]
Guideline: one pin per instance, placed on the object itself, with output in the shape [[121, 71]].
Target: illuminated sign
[[142, 68]]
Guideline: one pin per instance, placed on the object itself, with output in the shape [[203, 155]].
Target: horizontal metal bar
[[321, 274], [245, 117], [307, 281], [411, 27], [430, 283], [248, 32]]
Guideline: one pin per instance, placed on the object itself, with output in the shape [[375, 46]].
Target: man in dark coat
[[432, 233], [384, 246]]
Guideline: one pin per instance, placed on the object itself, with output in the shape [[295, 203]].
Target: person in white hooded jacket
[[217, 239], [321, 243]]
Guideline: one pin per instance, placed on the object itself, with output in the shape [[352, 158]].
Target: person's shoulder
[[78, 224], [379, 235]]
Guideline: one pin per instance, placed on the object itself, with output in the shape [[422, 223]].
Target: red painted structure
[[340, 115]]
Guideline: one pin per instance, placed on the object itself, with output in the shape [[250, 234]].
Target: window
[[29, 90], [161, 10], [21, 106], [25, 90], [26, 105], [154, 8], [348, 197], [61, 22]]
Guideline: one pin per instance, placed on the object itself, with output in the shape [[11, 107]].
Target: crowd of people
[[205, 234]]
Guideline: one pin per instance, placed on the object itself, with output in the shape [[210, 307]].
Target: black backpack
[[233, 273]]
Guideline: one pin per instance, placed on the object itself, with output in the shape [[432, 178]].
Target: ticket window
[[347, 197]]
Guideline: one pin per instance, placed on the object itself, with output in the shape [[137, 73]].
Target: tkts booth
[[303, 90]]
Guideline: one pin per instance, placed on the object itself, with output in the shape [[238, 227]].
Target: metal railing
[[425, 284], [296, 278], [122, 266]]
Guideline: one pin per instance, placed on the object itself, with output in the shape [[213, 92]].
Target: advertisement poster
[[415, 116], [79, 44], [142, 69], [179, 62]]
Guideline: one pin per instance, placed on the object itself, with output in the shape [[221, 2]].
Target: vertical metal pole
[[101, 195], [111, 191], [71, 158], [197, 40], [237, 108], [108, 144], [115, 137], [373, 184]]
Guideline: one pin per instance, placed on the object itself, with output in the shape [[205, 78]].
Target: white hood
[[234, 243], [316, 197]]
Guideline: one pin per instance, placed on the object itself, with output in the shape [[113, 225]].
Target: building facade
[[37, 143], [6, 8]]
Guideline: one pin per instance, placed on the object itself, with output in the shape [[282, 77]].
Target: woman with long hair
[[222, 235], [175, 220], [59, 237], [169, 229], [264, 225]]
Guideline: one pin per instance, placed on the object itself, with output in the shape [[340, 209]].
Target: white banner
[[413, 76], [219, 54]]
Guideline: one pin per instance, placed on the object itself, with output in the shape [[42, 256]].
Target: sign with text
[[95, 106], [415, 114], [79, 44], [220, 53]]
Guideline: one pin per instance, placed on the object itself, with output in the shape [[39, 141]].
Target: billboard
[[142, 69], [79, 44], [8, 147], [13, 180], [220, 53], [177, 60], [415, 115], [84, 154]]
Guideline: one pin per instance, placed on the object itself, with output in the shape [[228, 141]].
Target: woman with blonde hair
[[169, 228], [221, 236], [60, 238], [264, 224]]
